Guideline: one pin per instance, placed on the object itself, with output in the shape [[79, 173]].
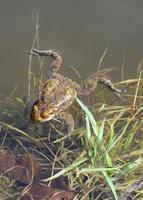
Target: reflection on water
[[80, 30]]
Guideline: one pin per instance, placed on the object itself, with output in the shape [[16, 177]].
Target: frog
[[59, 92]]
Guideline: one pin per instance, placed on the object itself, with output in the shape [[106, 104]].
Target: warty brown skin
[[59, 92]]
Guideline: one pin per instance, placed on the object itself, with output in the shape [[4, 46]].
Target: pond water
[[81, 30]]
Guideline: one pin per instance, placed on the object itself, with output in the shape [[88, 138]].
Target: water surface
[[80, 30]]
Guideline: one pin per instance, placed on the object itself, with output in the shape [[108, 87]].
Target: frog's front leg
[[68, 121]]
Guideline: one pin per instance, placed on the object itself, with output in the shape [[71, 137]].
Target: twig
[[30, 57], [101, 59], [133, 106]]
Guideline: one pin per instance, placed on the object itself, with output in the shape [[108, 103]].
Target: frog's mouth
[[49, 114]]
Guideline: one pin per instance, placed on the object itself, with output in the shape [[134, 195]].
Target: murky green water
[[80, 29]]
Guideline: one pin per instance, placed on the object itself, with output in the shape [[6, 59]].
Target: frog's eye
[[47, 113], [51, 112], [44, 114]]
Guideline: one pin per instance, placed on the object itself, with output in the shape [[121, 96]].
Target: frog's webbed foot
[[68, 121], [91, 82]]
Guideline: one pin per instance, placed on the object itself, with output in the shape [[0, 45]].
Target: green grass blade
[[108, 159], [110, 184], [101, 132], [89, 114], [129, 167], [98, 169], [62, 172], [89, 136]]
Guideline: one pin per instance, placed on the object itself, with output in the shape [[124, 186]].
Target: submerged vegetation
[[100, 159]]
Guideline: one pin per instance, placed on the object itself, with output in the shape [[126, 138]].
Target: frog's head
[[41, 113]]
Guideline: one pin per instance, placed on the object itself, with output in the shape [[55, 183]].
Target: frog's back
[[58, 93]]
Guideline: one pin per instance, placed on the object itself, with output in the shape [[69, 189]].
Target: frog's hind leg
[[91, 82], [56, 60], [68, 121]]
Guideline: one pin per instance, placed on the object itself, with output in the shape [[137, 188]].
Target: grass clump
[[100, 160]]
